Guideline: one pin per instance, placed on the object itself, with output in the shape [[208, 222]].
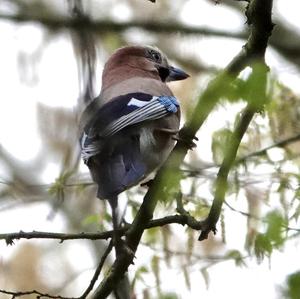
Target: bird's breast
[[155, 146]]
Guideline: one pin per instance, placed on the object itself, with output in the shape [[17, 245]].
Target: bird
[[128, 131]]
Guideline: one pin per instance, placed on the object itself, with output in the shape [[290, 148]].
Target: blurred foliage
[[273, 237], [284, 106], [292, 290], [219, 143], [262, 188]]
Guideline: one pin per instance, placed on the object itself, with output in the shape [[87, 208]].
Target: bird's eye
[[155, 56]]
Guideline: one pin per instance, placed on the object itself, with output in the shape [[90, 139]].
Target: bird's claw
[[147, 183], [189, 143], [167, 131]]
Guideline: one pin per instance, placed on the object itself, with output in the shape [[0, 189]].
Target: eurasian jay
[[128, 130]]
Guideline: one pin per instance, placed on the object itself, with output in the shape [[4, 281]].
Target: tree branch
[[100, 26], [173, 219], [283, 45], [10, 237], [281, 143], [15, 294], [259, 17]]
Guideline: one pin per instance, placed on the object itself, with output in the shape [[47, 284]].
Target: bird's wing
[[121, 112]]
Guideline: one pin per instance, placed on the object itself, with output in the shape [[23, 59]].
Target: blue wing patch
[[121, 112], [170, 103]]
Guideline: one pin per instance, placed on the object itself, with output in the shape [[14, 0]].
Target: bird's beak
[[176, 74]]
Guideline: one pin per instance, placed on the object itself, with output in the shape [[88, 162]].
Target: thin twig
[[281, 143], [33, 292], [178, 219], [98, 270], [10, 237]]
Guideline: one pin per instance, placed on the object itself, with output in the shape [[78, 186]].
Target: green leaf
[[292, 290], [170, 186], [219, 144], [237, 257], [276, 223], [254, 89], [57, 188], [233, 94], [262, 247], [274, 236]]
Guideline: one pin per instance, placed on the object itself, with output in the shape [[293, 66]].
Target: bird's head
[[138, 61], [158, 63]]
